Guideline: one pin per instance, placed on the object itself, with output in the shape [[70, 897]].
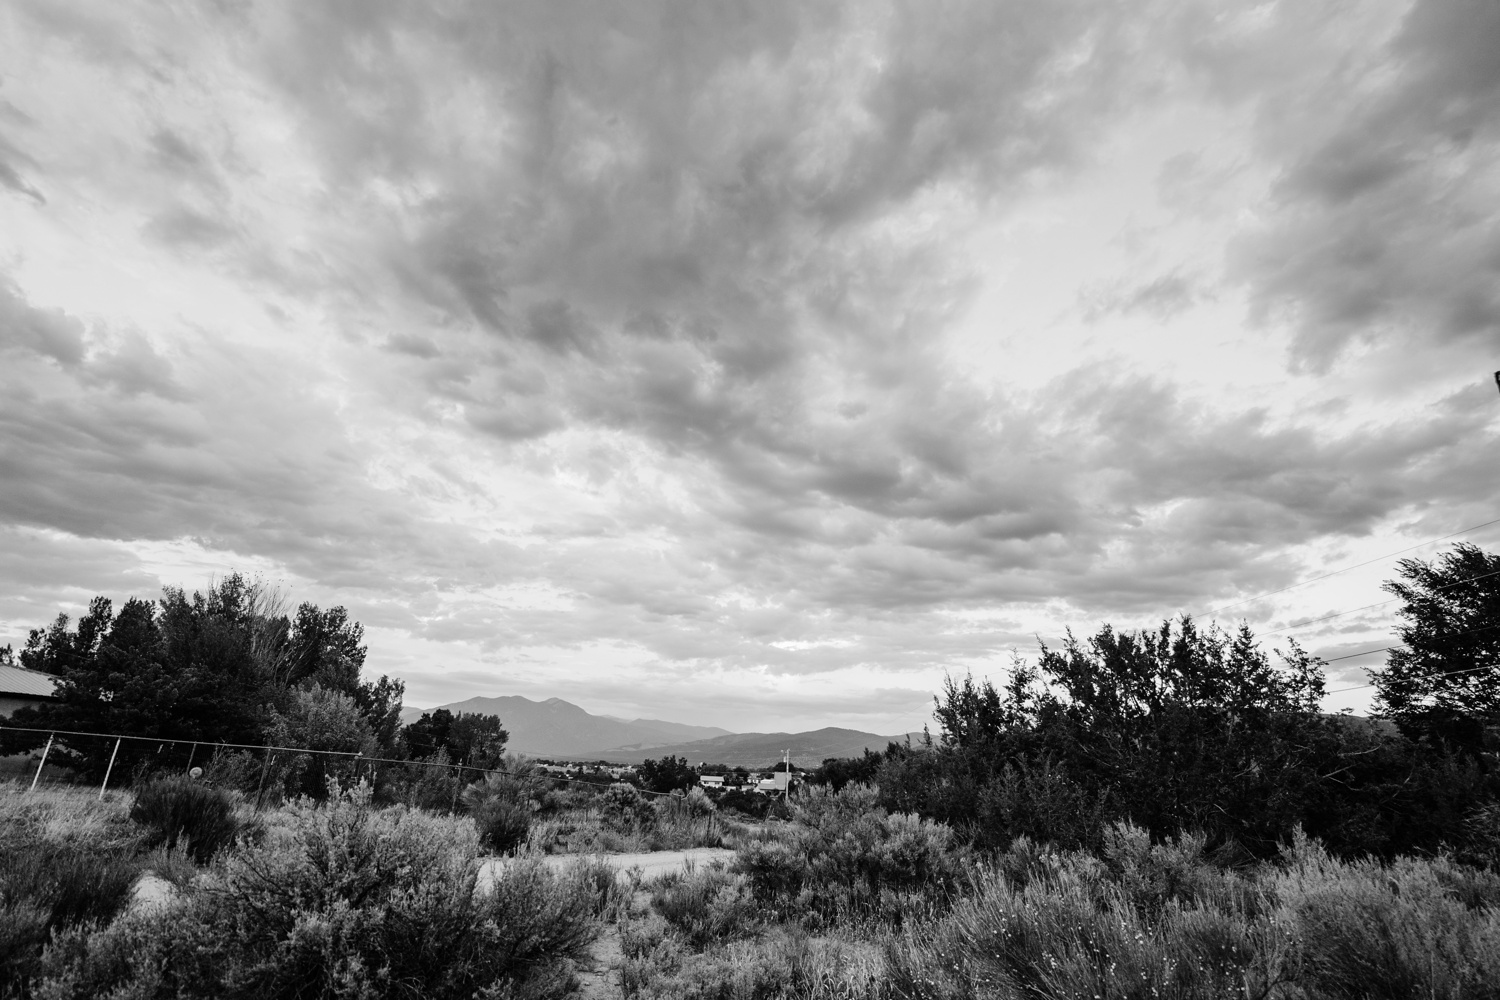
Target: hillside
[[753, 749], [555, 728]]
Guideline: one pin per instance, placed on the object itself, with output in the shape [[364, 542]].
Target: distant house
[[20, 688], [777, 782], [711, 780]]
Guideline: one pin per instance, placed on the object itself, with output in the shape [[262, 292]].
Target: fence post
[[262, 789], [457, 784], [191, 754], [110, 769], [45, 750]]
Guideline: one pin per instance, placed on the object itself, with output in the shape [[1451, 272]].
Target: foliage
[[470, 738], [745, 803], [197, 668], [836, 772], [1162, 921], [319, 718], [502, 806], [179, 811], [345, 900], [1178, 729], [706, 905], [48, 886], [1442, 685], [669, 774], [844, 859], [625, 810], [784, 962]]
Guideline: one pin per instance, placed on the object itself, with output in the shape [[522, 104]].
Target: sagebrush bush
[[47, 887], [783, 963], [502, 808], [180, 812], [344, 900], [1162, 921], [625, 810], [706, 905], [1417, 927], [846, 859]]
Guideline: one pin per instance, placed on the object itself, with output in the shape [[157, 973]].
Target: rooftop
[[30, 683]]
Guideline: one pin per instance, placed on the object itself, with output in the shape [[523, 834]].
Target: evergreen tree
[[1443, 685]]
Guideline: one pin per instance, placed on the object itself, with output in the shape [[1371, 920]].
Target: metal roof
[[29, 683]]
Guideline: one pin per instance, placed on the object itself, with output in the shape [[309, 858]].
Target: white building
[[711, 780]]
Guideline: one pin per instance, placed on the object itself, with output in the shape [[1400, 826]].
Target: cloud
[[541, 329], [1384, 222]]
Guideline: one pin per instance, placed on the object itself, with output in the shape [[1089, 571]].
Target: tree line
[[1185, 729], [232, 664]]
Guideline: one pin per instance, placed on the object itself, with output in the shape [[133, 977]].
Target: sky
[[748, 364]]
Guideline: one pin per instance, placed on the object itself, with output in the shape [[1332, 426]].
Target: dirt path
[[651, 864], [599, 975]]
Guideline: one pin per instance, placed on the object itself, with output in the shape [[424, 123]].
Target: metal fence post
[[45, 750], [110, 769]]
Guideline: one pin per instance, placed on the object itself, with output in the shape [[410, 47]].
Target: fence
[[182, 755]]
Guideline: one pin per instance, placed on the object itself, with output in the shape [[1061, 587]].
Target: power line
[[1393, 600], [1451, 673], [1325, 576]]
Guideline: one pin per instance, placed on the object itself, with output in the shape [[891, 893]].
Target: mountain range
[[560, 729], [555, 727]]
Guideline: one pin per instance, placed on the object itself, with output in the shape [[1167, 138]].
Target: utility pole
[[786, 793]]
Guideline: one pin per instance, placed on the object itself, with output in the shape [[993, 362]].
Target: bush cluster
[[1163, 921], [344, 900], [502, 807], [845, 859]]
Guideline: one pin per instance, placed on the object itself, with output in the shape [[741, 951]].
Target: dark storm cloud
[[1385, 219]]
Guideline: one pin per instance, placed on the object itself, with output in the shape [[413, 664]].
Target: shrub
[[343, 900], [785, 963], [1376, 931], [1067, 934], [625, 810], [705, 905], [502, 808], [846, 859], [179, 811], [751, 804], [47, 887]]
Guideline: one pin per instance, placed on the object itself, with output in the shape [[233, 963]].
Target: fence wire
[[232, 763]]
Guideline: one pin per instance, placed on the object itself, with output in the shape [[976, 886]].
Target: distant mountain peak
[[558, 728]]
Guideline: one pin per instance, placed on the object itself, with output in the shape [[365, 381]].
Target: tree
[[320, 719], [470, 738], [666, 775], [211, 667], [428, 734], [1443, 685], [1176, 728], [477, 740]]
